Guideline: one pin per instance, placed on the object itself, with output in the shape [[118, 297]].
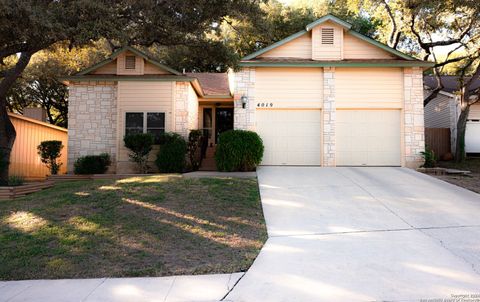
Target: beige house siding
[[92, 116], [149, 68], [290, 87], [369, 87], [192, 109], [141, 96], [110, 68], [300, 47], [355, 48], [327, 52]]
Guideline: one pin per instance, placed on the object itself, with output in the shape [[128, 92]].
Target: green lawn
[[142, 226]]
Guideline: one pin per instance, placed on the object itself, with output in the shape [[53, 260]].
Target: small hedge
[[92, 164], [238, 150], [171, 157]]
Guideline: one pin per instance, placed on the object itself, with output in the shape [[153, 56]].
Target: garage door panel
[[290, 137], [368, 137], [472, 137]]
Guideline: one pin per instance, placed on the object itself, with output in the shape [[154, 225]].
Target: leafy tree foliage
[[27, 27]]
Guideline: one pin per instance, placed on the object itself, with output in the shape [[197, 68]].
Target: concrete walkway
[[204, 288], [363, 234]]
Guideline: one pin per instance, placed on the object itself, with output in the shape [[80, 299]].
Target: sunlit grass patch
[[139, 226]]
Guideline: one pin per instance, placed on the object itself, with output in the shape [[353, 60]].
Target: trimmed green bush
[[92, 164], [171, 157], [140, 145], [49, 152], [238, 150]]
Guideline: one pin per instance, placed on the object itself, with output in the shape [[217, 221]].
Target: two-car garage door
[[363, 137]]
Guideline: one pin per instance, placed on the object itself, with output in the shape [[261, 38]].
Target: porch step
[[208, 163]]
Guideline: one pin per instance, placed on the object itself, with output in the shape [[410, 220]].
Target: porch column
[[328, 118], [244, 118]]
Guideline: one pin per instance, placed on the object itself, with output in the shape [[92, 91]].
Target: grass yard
[[141, 226], [471, 181]]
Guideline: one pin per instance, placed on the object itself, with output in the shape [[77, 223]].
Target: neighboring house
[[444, 110], [324, 96], [31, 130]]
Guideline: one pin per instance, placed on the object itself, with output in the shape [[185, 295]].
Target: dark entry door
[[223, 121]]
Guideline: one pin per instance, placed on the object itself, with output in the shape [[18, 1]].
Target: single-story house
[[326, 96], [444, 110]]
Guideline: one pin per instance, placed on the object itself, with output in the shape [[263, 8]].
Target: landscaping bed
[[470, 181], [11, 192], [139, 226]]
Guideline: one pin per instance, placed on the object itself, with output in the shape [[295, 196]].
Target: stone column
[[244, 118], [414, 135], [328, 118], [181, 108]]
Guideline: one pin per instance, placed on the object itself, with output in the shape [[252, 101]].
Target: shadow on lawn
[[149, 226]]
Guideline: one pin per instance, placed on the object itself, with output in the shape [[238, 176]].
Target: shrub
[[171, 157], [92, 164], [238, 150], [16, 180], [429, 157], [193, 148], [140, 145], [49, 152]]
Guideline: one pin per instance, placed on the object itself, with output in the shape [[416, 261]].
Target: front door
[[223, 121]]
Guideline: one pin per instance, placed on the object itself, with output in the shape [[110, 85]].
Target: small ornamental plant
[[49, 152], [193, 148], [140, 145]]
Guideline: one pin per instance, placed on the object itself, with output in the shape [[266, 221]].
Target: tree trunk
[[7, 131], [461, 129]]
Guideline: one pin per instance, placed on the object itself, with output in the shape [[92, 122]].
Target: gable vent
[[327, 36], [129, 62]]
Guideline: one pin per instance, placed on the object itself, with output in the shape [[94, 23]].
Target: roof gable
[[345, 25], [136, 52]]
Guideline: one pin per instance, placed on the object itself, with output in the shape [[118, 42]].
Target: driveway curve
[[363, 234]]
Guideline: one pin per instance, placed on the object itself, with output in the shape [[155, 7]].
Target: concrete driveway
[[363, 234]]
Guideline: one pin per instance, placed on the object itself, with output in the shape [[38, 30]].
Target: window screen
[[327, 36], [129, 62], [156, 124], [133, 123]]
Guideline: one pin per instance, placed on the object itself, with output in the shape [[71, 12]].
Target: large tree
[[27, 27]]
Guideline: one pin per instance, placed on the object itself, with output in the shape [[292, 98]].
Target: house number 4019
[[264, 104]]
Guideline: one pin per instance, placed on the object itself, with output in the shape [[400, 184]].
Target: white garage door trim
[[368, 138], [290, 136]]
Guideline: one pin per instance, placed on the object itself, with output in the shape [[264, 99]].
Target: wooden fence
[[24, 160], [438, 139]]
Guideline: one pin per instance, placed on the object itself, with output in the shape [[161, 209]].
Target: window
[[133, 123], [145, 122], [129, 62], [156, 124], [327, 36]]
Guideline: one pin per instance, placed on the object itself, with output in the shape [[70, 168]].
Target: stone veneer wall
[[181, 108], [414, 130], [328, 117], [244, 86], [92, 120]]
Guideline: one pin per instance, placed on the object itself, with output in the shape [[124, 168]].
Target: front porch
[[214, 117]]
